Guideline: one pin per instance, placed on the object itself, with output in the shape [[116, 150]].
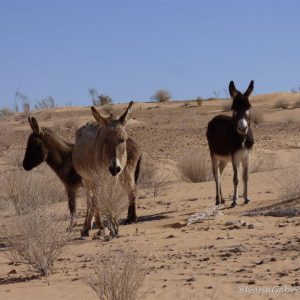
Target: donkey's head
[[111, 142], [241, 107], [36, 151]]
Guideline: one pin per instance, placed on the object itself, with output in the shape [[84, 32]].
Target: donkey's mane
[[51, 138]]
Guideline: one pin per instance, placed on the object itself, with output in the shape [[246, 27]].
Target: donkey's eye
[[121, 141]]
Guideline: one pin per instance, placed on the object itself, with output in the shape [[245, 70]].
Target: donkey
[[105, 148], [44, 144], [231, 139]]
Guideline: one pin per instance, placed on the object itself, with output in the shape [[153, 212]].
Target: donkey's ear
[[98, 117], [127, 114], [249, 89], [34, 125], [232, 90]]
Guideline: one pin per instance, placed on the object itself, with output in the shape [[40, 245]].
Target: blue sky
[[129, 49]]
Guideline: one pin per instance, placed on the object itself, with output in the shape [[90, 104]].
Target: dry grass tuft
[[281, 103], [263, 162], [297, 104], [117, 276], [199, 101], [256, 116], [15, 158], [289, 185], [29, 191], [195, 167], [36, 239], [152, 179]]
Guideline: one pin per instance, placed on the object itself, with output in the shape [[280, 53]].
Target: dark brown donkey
[[45, 145], [104, 149], [231, 139]]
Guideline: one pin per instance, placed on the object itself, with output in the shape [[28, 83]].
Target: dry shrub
[[71, 123], [227, 106], [36, 239], [111, 200], [108, 108], [263, 162], [159, 184], [28, 191], [195, 167], [117, 276], [289, 185], [5, 112], [256, 116], [147, 172], [161, 95], [297, 104], [152, 179], [199, 101], [15, 158], [281, 103]]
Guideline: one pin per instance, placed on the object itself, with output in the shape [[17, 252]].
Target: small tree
[[94, 94], [104, 99], [161, 95]]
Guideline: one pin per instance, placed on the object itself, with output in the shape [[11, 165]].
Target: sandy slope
[[208, 260]]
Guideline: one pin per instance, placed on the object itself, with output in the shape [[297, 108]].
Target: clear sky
[[129, 49]]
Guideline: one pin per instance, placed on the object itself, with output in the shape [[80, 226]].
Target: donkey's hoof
[[218, 202], [247, 201], [233, 204], [84, 232], [131, 220], [223, 201]]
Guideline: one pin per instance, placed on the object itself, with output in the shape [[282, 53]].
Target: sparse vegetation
[[70, 123], [289, 185], [28, 191], [199, 101], [4, 112], [108, 108], [152, 180], [111, 200], [227, 106], [256, 116], [117, 276], [263, 162], [195, 167], [36, 239], [281, 103], [15, 158], [45, 103], [104, 99], [161, 95], [297, 104]]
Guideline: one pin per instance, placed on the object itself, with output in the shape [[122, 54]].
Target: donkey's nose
[[114, 170]]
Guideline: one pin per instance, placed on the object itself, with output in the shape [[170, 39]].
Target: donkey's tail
[[137, 170]]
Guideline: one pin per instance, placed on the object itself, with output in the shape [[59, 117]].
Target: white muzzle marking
[[242, 126]]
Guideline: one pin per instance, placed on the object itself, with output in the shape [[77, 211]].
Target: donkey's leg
[[129, 184], [217, 176], [223, 164], [88, 217], [235, 166], [245, 164], [71, 192]]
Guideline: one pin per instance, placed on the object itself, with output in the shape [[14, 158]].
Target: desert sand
[[212, 259]]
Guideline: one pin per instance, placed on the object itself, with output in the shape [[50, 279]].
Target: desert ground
[[241, 247]]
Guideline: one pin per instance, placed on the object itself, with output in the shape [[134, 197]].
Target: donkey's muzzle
[[114, 170]]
